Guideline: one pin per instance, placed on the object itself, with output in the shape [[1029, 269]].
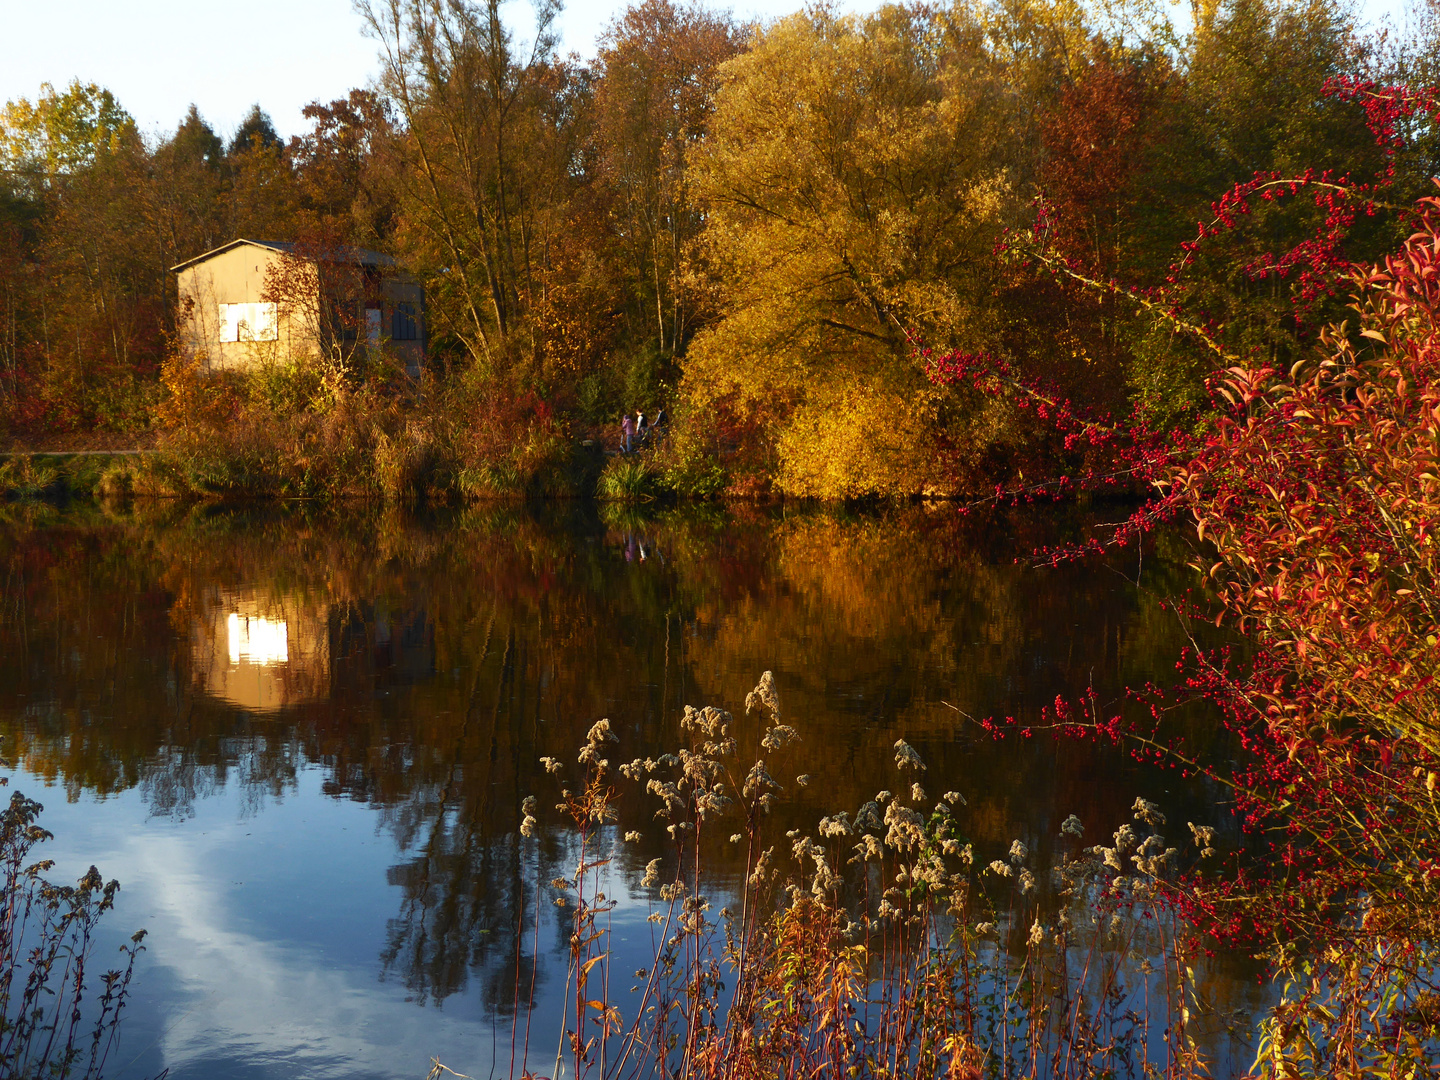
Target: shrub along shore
[[421, 472]]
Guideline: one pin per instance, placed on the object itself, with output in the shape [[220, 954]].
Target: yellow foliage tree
[[857, 172]]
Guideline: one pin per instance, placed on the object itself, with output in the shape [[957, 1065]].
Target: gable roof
[[343, 253]]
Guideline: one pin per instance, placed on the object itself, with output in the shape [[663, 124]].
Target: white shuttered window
[[248, 322]]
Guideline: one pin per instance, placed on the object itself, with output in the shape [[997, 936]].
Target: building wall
[[209, 290], [237, 276], [396, 289]]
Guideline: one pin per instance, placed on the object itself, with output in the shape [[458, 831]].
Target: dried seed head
[[711, 721], [906, 827], [870, 847], [762, 870], [779, 737], [634, 770], [758, 782], [1148, 812], [1204, 839], [765, 695], [1150, 859], [1125, 838], [906, 757], [868, 817]]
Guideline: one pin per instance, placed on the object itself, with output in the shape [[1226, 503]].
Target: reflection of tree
[[464, 890], [461, 650]]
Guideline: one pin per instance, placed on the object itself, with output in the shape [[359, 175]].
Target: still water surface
[[301, 741]]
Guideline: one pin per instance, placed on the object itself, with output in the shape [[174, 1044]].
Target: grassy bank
[[238, 466], [88, 474], [290, 433]]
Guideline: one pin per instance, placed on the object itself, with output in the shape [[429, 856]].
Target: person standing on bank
[[627, 432], [640, 429]]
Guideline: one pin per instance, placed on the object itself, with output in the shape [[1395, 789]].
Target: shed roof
[[343, 253]]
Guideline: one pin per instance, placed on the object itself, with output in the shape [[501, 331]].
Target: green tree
[[256, 130], [60, 133], [187, 204]]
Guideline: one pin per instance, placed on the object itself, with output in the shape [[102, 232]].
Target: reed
[[51, 1025], [874, 946]]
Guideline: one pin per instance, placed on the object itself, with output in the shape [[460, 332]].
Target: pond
[[301, 739]]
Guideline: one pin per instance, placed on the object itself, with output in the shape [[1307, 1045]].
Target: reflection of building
[[264, 651], [261, 651]]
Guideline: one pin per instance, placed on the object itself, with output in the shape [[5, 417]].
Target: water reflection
[[241, 651], [265, 650], [423, 665], [259, 641]]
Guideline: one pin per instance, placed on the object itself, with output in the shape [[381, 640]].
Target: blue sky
[[158, 56]]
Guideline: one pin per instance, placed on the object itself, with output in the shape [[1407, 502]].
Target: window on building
[[403, 325], [262, 322], [248, 322]]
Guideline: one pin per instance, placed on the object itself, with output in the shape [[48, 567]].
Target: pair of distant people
[[635, 430]]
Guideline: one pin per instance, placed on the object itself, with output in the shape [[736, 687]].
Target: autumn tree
[[60, 133], [485, 166], [342, 183], [187, 202], [89, 322], [658, 74], [856, 176]]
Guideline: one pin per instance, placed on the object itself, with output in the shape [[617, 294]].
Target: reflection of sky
[[257, 641], [264, 933], [266, 925]]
